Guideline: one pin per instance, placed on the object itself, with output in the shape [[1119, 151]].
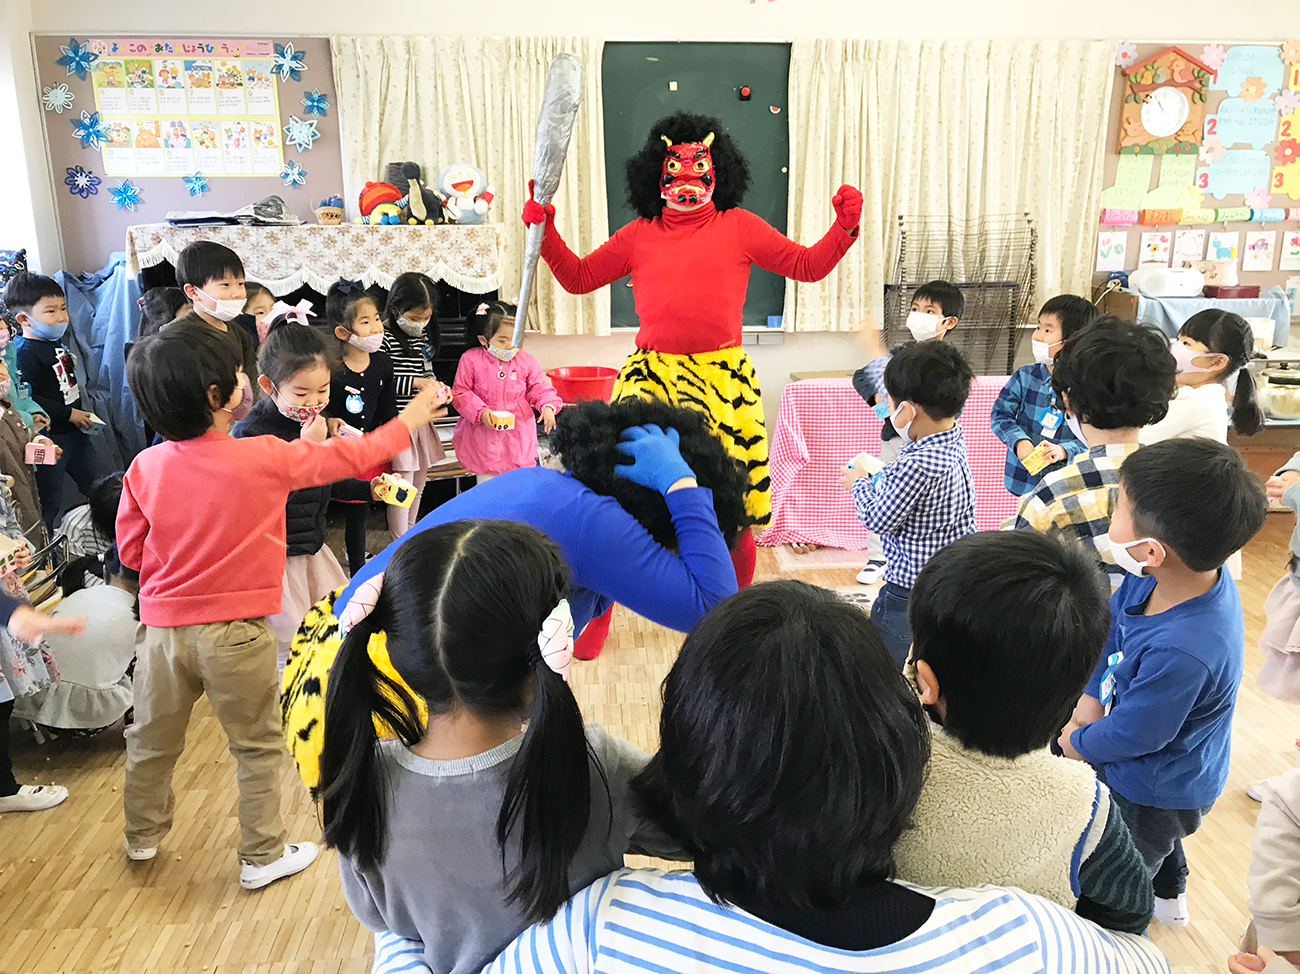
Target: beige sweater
[[1274, 877], [1005, 822]]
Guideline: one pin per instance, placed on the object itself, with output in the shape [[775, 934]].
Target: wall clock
[[1164, 104]]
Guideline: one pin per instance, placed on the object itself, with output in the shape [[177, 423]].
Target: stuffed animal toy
[[329, 211], [379, 204], [465, 192], [422, 204]]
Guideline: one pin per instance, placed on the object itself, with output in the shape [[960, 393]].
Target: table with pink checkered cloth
[[823, 424]]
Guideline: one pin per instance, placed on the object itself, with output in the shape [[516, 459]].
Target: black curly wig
[[586, 440], [644, 169]]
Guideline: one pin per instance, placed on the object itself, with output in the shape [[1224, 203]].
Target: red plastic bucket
[[575, 383]]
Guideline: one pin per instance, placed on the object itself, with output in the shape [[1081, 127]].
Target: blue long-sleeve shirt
[[1026, 409], [611, 556], [1166, 741]]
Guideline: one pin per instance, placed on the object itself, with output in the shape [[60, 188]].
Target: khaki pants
[[234, 664]]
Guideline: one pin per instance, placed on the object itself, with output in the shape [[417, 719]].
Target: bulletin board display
[[171, 108]]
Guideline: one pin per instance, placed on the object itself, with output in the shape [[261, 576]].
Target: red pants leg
[[744, 557], [592, 639]]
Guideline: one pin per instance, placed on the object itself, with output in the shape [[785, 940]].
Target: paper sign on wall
[[1111, 247], [1289, 259], [1188, 245], [1237, 120], [1246, 61], [1223, 245], [1236, 171], [1176, 175], [1258, 255], [1155, 248], [1132, 178]]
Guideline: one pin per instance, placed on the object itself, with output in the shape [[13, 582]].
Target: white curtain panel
[[944, 128], [439, 100]]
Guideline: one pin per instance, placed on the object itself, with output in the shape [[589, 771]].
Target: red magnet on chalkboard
[[774, 109], [745, 93]]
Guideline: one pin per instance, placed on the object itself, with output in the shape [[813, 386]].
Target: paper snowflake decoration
[[315, 103], [90, 129], [1213, 56], [77, 57], [1126, 53], [125, 195], [56, 98], [196, 184], [300, 134], [81, 182], [293, 174], [1258, 199], [288, 63], [1287, 102]]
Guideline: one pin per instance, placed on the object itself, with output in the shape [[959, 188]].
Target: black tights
[[356, 518], [8, 786]]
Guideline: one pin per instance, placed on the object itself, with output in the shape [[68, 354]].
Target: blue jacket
[[20, 393], [1166, 741], [1018, 414], [611, 556]]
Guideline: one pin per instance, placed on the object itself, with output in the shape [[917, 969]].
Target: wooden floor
[[70, 901]]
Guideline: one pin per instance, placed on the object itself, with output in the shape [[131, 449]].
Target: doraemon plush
[[465, 192]]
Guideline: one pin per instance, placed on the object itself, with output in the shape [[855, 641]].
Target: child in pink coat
[[497, 388]]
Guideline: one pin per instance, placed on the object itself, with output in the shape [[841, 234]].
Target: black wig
[[644, 169]]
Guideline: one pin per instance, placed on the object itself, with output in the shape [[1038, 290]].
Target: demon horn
[[667, 141], [708, 140]]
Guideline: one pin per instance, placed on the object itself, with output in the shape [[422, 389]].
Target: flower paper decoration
[[56, 98], [1211, 151], [1253, 88], [1258, 198], [77, 57], [293, 174], [197, 184], [315, 103], [1191, 199], [1287, 151], [300, 134], [1126, 53], [1213, 56], [90, 129], [125, 195], [81, 182], [1291, 52], [288, 63], [1287, 101]]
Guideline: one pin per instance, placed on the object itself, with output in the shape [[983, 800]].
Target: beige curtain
[[439, 100], [957, 128]]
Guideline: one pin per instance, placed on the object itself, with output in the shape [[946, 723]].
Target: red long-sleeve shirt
[[690, 270], [202, 520]]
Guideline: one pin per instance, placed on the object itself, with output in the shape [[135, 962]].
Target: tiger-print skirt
[[723, 386]]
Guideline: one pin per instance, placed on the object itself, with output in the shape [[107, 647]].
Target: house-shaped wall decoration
[[1164, 104]]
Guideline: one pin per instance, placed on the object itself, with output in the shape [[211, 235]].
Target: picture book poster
[[236, 148]]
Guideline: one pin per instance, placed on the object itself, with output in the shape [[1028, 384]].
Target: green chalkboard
[[638, 79]]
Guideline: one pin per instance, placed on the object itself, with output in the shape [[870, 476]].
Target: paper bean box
[[41, 453]]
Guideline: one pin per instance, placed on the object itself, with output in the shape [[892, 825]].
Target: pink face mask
[[299, 414]]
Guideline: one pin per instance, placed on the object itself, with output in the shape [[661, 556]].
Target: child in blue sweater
[[1156, 717], [1026, 412]]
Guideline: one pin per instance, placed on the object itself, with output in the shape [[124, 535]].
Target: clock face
[[1164, 111]]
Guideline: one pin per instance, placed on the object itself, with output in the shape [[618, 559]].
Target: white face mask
[[370, 343], [903, 428], [227, 309], [1119, 551], [1184, 355], [502, 354], [1076, 428], [1043, 351], [413, 328], [923, 325]]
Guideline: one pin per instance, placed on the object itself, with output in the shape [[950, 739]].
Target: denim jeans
[[889, 614], [1158, 834]]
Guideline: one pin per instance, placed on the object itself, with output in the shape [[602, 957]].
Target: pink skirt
[[307, 580], [1279, 676], [425, 450]]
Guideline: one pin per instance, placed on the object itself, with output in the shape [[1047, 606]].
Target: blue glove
[[656, 460]]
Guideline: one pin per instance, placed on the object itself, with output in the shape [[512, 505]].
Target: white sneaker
[[139, 853], [33, 798], [297, 857], [1173, 912], [874, 571], [1255, 790]]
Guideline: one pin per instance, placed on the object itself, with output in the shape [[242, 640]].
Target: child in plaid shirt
[[1113, 378], [924, 499], [1025, 412]]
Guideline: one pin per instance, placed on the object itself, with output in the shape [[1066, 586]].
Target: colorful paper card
[[1112, 217], [1111, 248], [1223, 245], [1232, 214], [1236, 171], [1189, 245], [1132, 180], [1237, 121], [1159, 218], [1244, 64], [1272, 214], [1177, 173], [1155, 248], [1289, 258], [188, 47], [1258, 255]]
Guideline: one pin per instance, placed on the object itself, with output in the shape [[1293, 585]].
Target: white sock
[[1173, 912]]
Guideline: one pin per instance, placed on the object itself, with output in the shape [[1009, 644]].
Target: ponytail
[[353, 787], [1228, 333], [1247, 417]]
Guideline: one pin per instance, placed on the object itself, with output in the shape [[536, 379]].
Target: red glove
[[848, 207], [535, 213]]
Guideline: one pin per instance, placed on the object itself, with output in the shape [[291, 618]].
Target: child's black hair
[[1195, 496], [205, 260], [438, 588], [791, 751], [1226, 333], [289, 348], [586, 440], [1072, 311], [170, 374], [158, 307], [1012, 623], [104, 496], [253, 290], [643, 170], [410, 291], [1117, 374], [25, 290], [934, 376], [341, 305], [945, 295], [487, 319]]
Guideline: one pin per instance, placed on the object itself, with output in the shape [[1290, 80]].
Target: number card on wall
[[1286, 174], [174, 107]]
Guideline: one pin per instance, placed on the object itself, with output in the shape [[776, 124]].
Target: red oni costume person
[[689, 258]]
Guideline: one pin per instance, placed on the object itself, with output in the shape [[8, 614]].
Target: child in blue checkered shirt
[[1026, 412]]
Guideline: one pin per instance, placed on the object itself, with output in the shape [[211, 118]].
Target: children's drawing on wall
[[1189, 245], [1289, 257], [1155, 248], [1111, 249], [1224, 245], [1258, 255]]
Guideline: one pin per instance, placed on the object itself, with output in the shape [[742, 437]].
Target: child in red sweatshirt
[[202, 520]]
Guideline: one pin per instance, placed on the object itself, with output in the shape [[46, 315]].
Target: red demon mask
[[688, 172]]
